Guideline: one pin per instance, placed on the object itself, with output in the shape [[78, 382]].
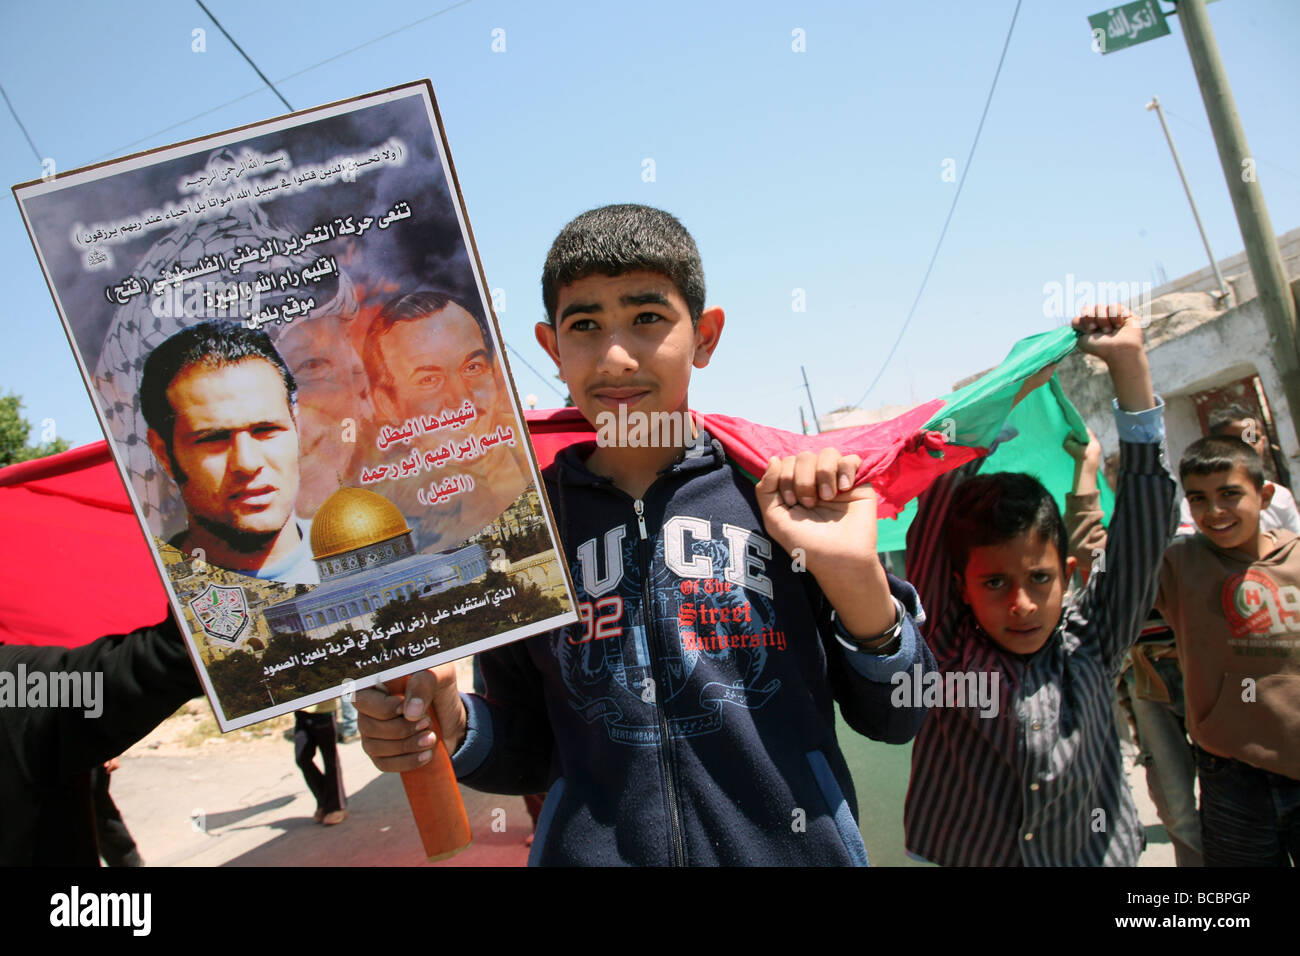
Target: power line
[[953, 208], [390, 33], [515, 352], [284, 79], [244, 55], [39, 157], [1202, 129], [144, 139]]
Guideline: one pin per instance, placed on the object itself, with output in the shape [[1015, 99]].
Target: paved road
[[253, 809], [235, 805]]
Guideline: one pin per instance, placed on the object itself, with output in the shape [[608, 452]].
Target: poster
[[285, 332]]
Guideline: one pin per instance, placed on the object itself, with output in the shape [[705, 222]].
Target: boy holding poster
[[688, 717]]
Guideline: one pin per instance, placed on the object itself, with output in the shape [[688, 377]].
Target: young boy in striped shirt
[[1036, 780]]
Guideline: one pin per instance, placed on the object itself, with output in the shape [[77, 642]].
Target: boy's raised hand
[[1088, 454], [808, 501], [1087, 462], [809, 505], [1107, 331], [1114, 335]]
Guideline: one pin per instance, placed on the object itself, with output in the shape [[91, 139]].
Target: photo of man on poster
[[428, 353], [220, 404]]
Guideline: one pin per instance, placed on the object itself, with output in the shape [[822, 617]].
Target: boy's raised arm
[[865, 686], [1123, 586], [809, 505], [1083, 515], [929, 569]]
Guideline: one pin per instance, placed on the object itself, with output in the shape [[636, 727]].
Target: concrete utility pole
[[1247, 198]]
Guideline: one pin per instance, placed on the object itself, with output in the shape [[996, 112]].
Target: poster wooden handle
[[434, 796]]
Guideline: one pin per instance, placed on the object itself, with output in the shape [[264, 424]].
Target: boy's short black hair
[[1208, 456], [613, 240], [212, 344], [991, 509], [1222, 418]]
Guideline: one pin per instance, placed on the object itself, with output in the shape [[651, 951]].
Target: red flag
[[899, 457], [75, 565]]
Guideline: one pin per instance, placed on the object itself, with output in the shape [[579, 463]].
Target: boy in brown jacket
[[1232, 595]]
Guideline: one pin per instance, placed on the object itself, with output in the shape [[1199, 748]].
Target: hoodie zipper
[[666, 766]]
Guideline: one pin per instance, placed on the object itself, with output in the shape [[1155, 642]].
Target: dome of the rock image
[[353, 518]]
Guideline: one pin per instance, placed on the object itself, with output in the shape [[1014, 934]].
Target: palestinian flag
[[901, 456], [76, 565]]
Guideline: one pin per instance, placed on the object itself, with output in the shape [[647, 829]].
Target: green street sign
[[1127, 25]]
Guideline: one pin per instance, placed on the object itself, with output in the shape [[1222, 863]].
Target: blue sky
[[818, 170]]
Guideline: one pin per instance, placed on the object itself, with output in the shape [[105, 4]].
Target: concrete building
[[850, 417]]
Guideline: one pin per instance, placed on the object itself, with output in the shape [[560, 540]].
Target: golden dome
[[352, 518]]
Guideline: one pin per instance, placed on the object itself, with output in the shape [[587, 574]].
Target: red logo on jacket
[[1255, 605]]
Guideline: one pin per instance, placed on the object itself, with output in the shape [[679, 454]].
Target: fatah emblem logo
[[222, 612]]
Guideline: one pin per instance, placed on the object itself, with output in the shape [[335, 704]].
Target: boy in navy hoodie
[[688, 718]]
